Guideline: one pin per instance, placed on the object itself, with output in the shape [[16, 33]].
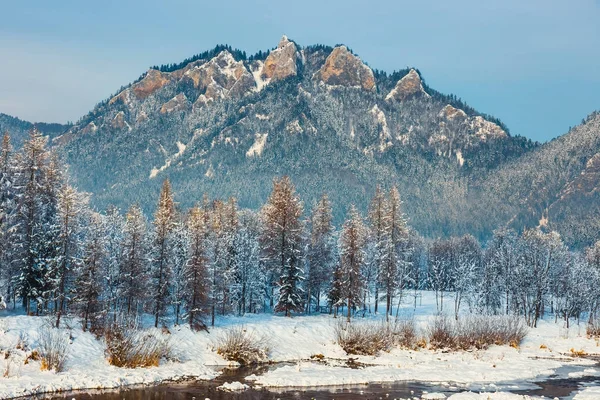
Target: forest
[[59, 257]]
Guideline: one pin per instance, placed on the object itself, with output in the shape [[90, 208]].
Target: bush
[[239, 345], [476, 331], [131, 348], [370, 338], [593, 329], [441, 333], [52, 348]]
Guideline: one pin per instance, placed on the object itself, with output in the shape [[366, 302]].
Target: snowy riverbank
[[546, 350]]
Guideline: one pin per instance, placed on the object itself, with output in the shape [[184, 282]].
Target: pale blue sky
[[535, 64]]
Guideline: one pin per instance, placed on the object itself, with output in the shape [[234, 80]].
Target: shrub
[[53, 345], [405, 334], [239, 345], [441, 333], [476, 331], [593, 329], [131, 348], [369, 338]]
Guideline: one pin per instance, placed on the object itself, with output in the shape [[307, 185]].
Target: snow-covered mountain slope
[[226, 124]]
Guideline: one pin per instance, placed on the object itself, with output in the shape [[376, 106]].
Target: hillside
[[226, 124], [18, 129]]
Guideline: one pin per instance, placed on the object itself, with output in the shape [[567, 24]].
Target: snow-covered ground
[[546, 351]]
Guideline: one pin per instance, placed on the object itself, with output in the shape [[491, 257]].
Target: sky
[[535, 64]]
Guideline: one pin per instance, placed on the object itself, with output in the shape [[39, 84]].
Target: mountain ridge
[[226, 124]]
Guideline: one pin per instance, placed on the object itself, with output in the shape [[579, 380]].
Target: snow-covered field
[[545, 352]]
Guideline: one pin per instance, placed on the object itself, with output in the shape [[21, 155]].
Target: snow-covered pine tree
[[7, 214], [320, 252], [179, 256], [377, 234], [71, 209], [281, 242], [33, 220], [230, 255], [88, 286], [394, 274], [165, 220], [196, 267], [217, 256], [114, 230], [336, 291], [245, 288], [134, 276], [351, 248]]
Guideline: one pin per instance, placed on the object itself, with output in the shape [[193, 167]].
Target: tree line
[[60, 257]]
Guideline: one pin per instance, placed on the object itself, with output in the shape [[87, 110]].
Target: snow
[[260, 82], [385, 135], [233, 387], [546, 349], [180, 149], [460, 158], [588, 393], [259, 144]]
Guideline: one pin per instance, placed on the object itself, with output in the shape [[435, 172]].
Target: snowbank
[[546, 349]]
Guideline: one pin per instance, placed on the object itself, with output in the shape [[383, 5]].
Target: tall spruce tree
[[133, 274], [377, 225], [196, 267], [320, 252], [164, 224], [352, 242], [282, 243]]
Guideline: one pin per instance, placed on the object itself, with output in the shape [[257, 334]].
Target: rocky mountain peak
[[452, 113], [281, 62], [409, 86], [342, 68]]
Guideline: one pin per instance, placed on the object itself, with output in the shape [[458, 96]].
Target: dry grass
[[593, 330], [475, 332], [239, 345], [578, 353], [128, 348], [370, 338], [52, 348]]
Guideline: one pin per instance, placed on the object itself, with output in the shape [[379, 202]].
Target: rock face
[[219, 77], [281, 62], [343, 68], [451, 113], [407, 87], [485, 129], [177, 103], [149, 84]]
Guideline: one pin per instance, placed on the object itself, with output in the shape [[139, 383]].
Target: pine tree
[[217, 256], [88, 285], [34, 220], [320, 252], [179, 258], [336, 291], [352, 242], [164, 223], [71, 206], [7, 216], [134, 264], [114, 230], [377, 224], [196, 267], [394, 274], [281, 242]]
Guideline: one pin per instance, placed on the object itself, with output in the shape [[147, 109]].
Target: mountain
[[225, 124], [18, 129], [556, 186]]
